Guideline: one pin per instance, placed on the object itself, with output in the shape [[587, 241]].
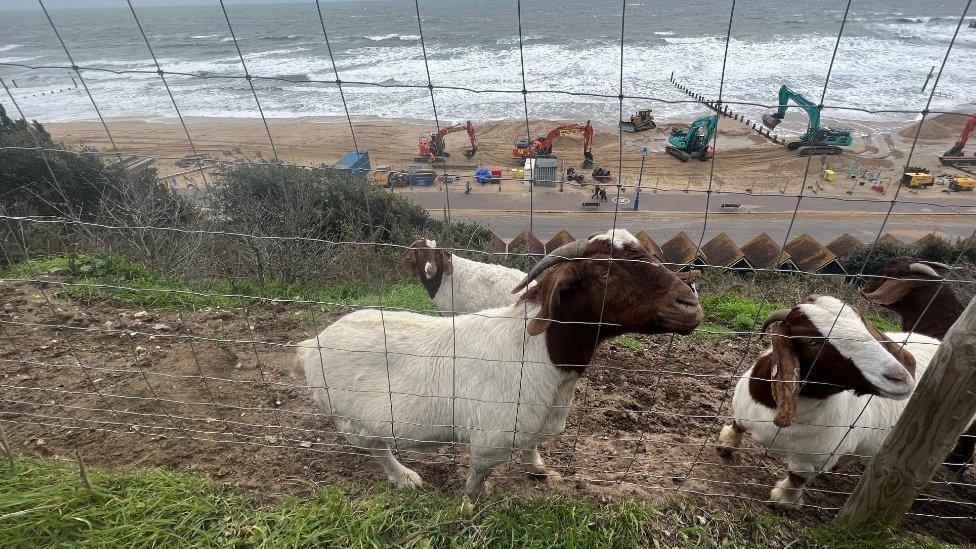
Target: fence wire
[[645, 420]]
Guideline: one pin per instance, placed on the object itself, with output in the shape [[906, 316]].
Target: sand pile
[[939, 126]]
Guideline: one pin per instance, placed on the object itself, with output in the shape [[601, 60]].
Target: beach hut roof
[[558, 239], [810, 255], [527, 242], [845, 244], [721, 251], [763, 252], [681, 250], [649, 243]]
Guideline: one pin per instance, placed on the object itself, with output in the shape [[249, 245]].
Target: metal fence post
[[939, 411]]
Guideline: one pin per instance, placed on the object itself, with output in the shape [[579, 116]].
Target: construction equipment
[[955, 155], [639, 122], [542, 146], [917, 178], [817, 140], [433, 148], [962, 184], [693, 144]]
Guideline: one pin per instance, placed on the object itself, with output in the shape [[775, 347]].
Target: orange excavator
[[542, 145], [434, 150], [955, 155]]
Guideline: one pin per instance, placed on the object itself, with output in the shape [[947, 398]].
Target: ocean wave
[[9, 47], [405, 37], [664, 33], [205, 36], [284, 51], [278, 37], [228, 39]]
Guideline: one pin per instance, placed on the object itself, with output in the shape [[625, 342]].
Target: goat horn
[[937, 265], [563, 253], [922, 268], [775, 316]]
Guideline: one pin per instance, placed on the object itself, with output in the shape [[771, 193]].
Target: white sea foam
[[882, 72], [404, 37], [9, 47]]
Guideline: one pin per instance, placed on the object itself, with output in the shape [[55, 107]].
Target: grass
[[146, 289], [43, 504], [629, 342], [724, 312], [742, 314]]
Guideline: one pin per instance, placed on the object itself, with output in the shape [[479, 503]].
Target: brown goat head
[[901, 276], [583, 287], [821, 347], [428, 263]]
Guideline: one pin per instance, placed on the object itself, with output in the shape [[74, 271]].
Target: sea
[[569, 58]]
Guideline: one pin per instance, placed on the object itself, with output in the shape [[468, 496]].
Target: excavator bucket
[[770, 120], [470, 152], [587, 159], [954, 151]]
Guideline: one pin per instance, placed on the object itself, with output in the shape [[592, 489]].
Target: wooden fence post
[[938, 412]]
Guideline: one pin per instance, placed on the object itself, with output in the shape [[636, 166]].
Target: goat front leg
[[535, 467], [399, 474], [729, 439], [789, 491]]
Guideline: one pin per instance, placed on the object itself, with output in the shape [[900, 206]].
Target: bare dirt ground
[[743, 159], [208, 391]]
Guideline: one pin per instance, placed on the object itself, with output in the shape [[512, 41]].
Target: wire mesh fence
[[153, 369]]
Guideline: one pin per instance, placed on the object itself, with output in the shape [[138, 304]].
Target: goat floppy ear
[[448, 268], [785, 374], [552, 287], [410, 261], [890, 291]]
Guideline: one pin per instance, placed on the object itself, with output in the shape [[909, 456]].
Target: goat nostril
[[687, 301]]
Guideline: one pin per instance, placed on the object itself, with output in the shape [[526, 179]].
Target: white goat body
[[476, 286], [376, 369], [821, 432]]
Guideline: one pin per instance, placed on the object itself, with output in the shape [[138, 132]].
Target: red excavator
[[955, 155], [433, 148], [542, 145]]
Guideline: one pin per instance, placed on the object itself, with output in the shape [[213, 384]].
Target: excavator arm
[[967, 130], [544, 146], [785, 96], [434, 148]]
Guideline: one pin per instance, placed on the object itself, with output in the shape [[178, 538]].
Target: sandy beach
[[743, 160]]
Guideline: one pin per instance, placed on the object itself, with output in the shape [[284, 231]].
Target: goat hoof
[[467, 506], [542, 475], [778, 499], [408, 479]]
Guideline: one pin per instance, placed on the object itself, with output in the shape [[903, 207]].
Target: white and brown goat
[[831, 385], [501, 380], [459, 285], [917, 291]]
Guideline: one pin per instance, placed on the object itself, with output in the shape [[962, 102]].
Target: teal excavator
[[817, 140], [693, 143]]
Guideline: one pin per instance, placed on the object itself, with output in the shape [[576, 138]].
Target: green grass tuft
[[99, 273], [629, 342], [43, 504], [741, 314]]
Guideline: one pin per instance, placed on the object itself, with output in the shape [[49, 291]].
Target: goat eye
[[812, 342]]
